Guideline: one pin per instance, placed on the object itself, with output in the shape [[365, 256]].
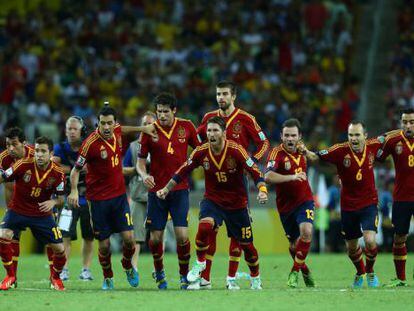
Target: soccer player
[[106, 192], [167, 153], [36, 180], [286, 169], [16, 149], [225, 198], [400, 145], [242, 128], [66, 154], [138, 192], [354, 161]]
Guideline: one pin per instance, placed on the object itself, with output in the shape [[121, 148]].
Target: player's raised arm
[[146, 129]]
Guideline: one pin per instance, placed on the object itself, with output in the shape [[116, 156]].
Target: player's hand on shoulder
[[299, 176], [150, 130], [149, 181], [162, 194], [262, 197]]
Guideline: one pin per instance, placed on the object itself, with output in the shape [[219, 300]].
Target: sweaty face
[[357, 137], [73, 131], [42, 154], [290, 137], [224, 98], [215, 134], [165, 115], [15, 147], [407, 124], [106, 126]]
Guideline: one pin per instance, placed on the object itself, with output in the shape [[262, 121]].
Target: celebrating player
[[400, 145], [286, 168], [354, 161], [242, 128], [36, 180], [225, 198], [167, 153], [106, 192]]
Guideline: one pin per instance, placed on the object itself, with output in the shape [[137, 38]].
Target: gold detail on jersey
[[237, 128], [168, 135], [236, 112], [399, 148], [221, 176], [104, 153], [347, 160], [181, 132], [298, 170], [410, 146], [411, 160], [358, 175], [296, 160], [364, 155], [27, 176], [40, 180], [115, 160], [218, 165], [36, 192], [170, 149], [113, 146]]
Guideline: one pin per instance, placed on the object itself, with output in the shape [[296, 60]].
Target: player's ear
[[174, 110]]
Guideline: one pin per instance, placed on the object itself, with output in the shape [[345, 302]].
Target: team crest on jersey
[[104, 153], [231, 164], [371, 158], [51, 181], [399, 148], [181, 134], [288, 166], [27, 176], [206, 164], [237, 127], [347, 160]]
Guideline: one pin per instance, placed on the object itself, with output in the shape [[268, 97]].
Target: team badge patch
[[51, 181], [60, 187], [104, 153], [399, 148], [206, 164], [8, 172], [27, 176], [231, 164], [288, 166], [181, 134], [237, 128], [371, 158], [270, 164], [262, 136], [249, 162], [347, 160]]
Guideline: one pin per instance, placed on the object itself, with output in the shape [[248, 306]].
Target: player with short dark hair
[[105, 190], [400, 145], [65, 154], [242, 128], [167, 153], [286, 169], [225, 198], [36, 181], [354, 161]]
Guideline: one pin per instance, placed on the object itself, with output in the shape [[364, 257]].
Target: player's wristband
[[263, 189]]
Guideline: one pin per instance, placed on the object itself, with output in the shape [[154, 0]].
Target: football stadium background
[[323, 62]]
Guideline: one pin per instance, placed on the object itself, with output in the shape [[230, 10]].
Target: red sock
[[304, 268], [157, 251], [234, 258], [15, 244], [302, 250], [357, 260], [59, 260], [127, 253], [49, 253], [210, 254], [252, 258], [183, 253], [202, 239], [105, 261], [6, 254], [370, 257], [399, 252]]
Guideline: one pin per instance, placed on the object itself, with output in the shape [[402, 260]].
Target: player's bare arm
[[276, 178], [48, 205], [147, 129], [310, 155], [73, 198], [142, 171], [129, 171], [262, 195]]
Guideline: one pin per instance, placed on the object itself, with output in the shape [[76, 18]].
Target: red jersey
[[356, 171], [289, 195], [223, 174], [402, 150], [33, 186], [242, 128], [169, 151], [6, 160], [104, 179]]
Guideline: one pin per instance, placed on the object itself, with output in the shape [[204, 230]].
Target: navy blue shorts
[[237, 222], [175, 204], [43, 228], [291, 221], [401, 216], [353, 221], [110, 216]]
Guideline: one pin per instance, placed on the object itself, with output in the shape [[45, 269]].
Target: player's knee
[[57, 247], [306, 235], [156, 238]]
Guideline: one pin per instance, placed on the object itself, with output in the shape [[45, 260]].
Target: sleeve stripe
[[88, 143], [263, 150]]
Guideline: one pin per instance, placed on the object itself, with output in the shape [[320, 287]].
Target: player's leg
[[156, 220], [178, 208], [6, 254], [15, 245], [68, 237], [87, 243], [369, 224], [205, 275], [351, 227], [138, 212]]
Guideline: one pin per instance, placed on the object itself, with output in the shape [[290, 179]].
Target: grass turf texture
[[333, 274]]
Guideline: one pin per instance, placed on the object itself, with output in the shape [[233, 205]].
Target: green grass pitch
[[333, 274]]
